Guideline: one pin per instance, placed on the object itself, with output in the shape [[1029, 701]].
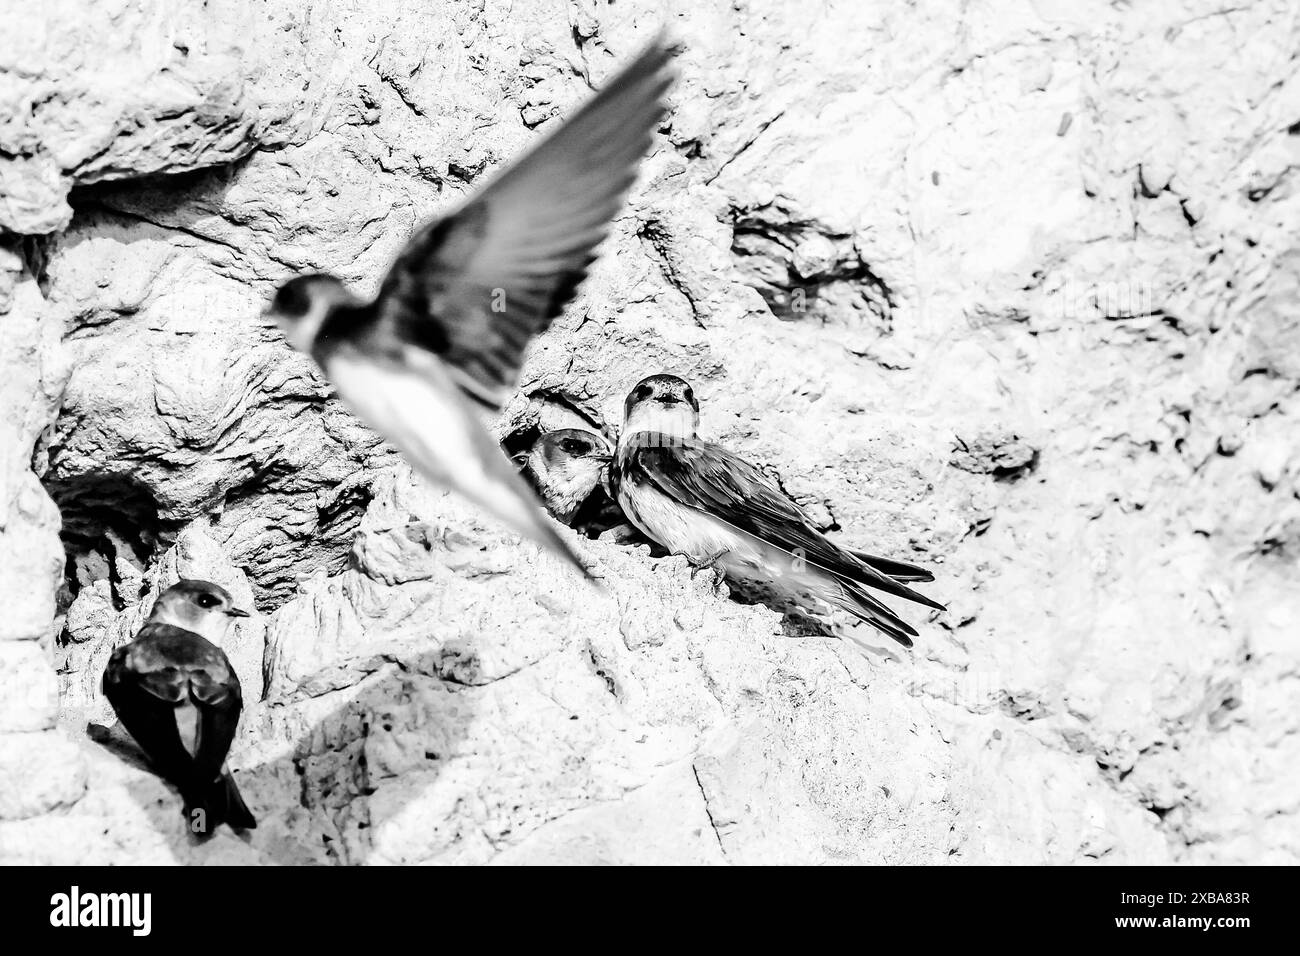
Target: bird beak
[[237, 612]]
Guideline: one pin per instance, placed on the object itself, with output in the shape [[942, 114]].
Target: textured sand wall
[[1006, 289]]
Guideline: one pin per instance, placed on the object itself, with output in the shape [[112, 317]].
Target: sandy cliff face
[[1010, 293]]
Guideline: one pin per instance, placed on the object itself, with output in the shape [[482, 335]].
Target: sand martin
[[442, 343], [177, 694], [569, 470], [699, 500]]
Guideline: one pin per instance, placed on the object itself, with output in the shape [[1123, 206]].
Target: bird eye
[[207, 600], [575, 447]]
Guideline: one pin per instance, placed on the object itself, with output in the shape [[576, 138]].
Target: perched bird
[[443, 341], [568, 469], [177, 694], [699, 500]]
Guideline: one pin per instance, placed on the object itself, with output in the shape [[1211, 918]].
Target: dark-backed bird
[[175, 691], [699, 500], [442, 343], [568, 469]]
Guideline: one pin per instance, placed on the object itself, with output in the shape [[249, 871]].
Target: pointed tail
[[898, 570], [505, 493], [866, 608], [220, 803]]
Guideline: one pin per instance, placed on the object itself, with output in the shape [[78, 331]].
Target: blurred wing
[[478, 285], [411, 403], [709, 478]]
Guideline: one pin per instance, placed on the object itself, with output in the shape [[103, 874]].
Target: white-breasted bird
[[442, 342], [175, 692], [569, 470], [699, 500]]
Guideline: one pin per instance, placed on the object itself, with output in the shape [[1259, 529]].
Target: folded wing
[[707, 477], [148, 682]]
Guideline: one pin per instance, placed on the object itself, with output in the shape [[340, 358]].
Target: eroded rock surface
[[1009, 293]]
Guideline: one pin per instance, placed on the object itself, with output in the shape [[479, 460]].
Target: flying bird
[[441, 344], [699, 500], [177, 694], [568, 469]]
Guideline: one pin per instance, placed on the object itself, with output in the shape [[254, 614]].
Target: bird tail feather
[[221, 802], [898, 570], [866, 608]]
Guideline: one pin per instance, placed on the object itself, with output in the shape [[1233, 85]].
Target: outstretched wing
[[711, 479], [475, 287]]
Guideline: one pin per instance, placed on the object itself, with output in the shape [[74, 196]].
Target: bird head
[[301, 305], [199, 606], [664, 404], [568, 464]]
